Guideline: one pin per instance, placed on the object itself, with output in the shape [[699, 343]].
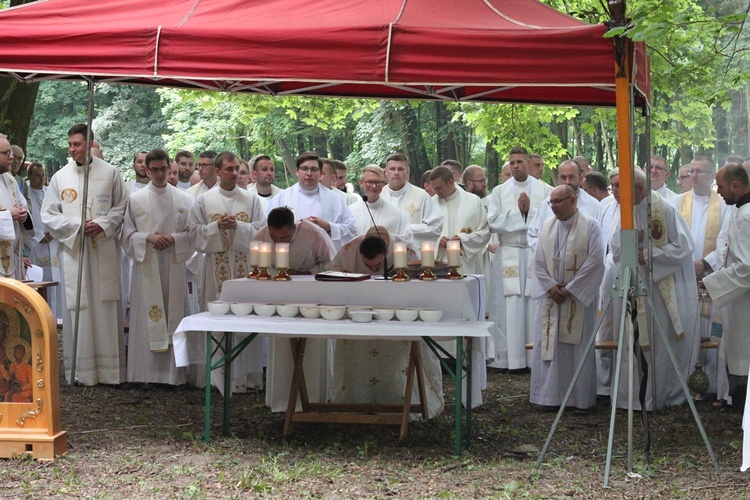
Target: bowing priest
[[374, 371], [465, 220], [372, 206], [568, 268], [155, 235], [310, 251], [318, 204], [101, 342], [729, 287], [222, 222], [417, 205], [674, 294], [513, 206]]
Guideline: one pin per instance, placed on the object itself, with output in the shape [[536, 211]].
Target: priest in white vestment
[[207, 173], [263, 173], [13, 215], [310, 251], [608, 221], [185, 161], [44, 252], [155, 236], [222, 222], [659, 175], [729, 288], [675, 297], [373, 207], [420, 209], [328, 179], [568, 172], [568, 268], [513, 206], [139, 182], [309, 200], [708, 217], [374, 371], [464, 219], [100, 357]]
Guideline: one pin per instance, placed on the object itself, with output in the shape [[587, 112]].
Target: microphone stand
[[385, 257]]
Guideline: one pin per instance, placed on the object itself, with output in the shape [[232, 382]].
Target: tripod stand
[[628, 285]]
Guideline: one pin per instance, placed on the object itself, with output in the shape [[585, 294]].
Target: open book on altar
[[341, 276]]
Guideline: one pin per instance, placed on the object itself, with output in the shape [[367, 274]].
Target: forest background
[[700, 106]]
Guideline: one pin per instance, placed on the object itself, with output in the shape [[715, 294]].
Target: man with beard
[[141, 176], [14, 209], [185, 166]]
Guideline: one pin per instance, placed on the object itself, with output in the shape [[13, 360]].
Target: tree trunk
[[406, 119], [492, 163]]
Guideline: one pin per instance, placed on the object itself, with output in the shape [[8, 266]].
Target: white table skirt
[[462, 302]]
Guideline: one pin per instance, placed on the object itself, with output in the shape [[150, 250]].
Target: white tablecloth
[[462, 302]]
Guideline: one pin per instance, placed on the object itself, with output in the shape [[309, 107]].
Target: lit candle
[[282, 255], [428, 254], [454, 253], [399, 255], [254, 245], [264, 257]]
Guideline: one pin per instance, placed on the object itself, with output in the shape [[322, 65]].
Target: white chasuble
[[569, 253], [465, 217], [171, 206], [564, 256], [385, 214], [11, 241], [100, 357], [420, 210]]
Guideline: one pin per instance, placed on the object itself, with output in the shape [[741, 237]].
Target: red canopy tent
[[484, 50]]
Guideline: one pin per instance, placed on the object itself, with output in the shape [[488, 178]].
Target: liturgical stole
[[713, 218], [666, 287], [563, 322], [229, 264], [162, 321]]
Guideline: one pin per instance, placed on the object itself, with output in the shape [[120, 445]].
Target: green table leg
[[207, 417], [459, 384], [227, 379]]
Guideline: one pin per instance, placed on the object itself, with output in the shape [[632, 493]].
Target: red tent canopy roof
[[487, 50]]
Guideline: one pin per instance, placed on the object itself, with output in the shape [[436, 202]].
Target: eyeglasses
[[373, 184], [158, 169], [554, 203], [205, 165], [7, 152], [683, 177], [309, 170], [659, 167]]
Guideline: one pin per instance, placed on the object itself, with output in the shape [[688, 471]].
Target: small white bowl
[[407, 314], [430, 315], [332, 313], [349, 309], [362, 315], [218, 307], [265, 309], [241, 308], [287, 310], [383, 314], [310, 311]]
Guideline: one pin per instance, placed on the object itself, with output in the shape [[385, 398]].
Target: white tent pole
[[84, 201]]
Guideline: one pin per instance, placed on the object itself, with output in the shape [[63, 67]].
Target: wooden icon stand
[[29, 375]]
